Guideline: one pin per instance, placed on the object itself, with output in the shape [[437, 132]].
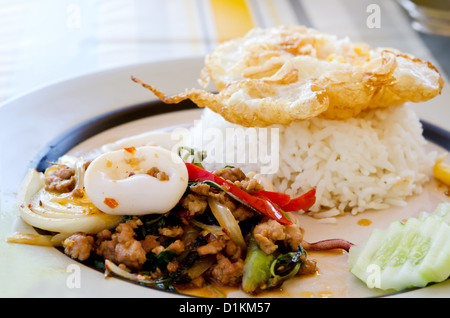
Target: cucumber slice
[[411, 254], [443, 211]]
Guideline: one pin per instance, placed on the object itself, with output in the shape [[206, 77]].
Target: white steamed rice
[[374, 161]]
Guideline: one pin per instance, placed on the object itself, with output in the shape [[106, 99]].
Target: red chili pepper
[[262, 204], [278, 198], [303, 202], [284, 201], [198, 174]]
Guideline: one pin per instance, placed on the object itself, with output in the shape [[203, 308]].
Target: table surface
[[45, 41]]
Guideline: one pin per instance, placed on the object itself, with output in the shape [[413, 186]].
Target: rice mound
[[373, 161]]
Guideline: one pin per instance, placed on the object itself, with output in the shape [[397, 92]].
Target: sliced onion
[[214, 229], [44, 211], [50, 204], [227, 222], [201, 266], [37, 239], [30, 239], [111, 267], [79, 174]]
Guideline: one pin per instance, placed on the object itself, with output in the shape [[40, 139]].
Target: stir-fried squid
[[122, 210]]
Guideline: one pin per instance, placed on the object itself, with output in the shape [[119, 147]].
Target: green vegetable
[[262, 271], [411, 254], [286, 266], [158, 260], [443, 211], [197, 156], [256, 268]]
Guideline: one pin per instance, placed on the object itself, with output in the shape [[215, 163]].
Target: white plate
[[31, 122]]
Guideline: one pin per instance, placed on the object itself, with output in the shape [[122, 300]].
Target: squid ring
[[136, 181]]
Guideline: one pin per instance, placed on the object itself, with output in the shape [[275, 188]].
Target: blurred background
[[43, 41]]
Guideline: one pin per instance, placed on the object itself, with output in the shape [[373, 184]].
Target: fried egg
[[285, 74]]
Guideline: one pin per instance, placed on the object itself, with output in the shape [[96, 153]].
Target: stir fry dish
[[223, 228]]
